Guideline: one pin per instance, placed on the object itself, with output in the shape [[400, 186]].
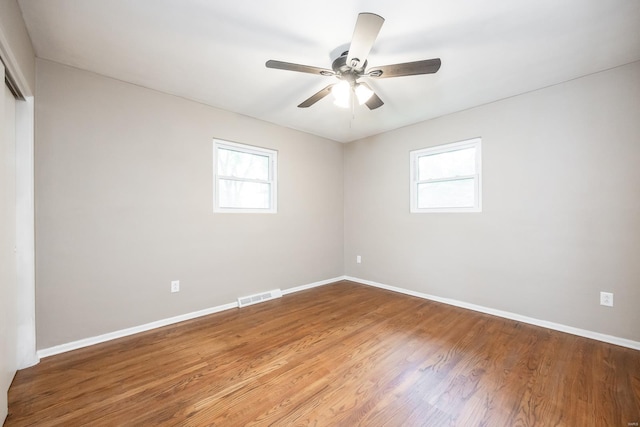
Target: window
[[447, 178], [245, 178]]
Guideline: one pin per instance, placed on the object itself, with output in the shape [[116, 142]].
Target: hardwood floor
[[338, 355]]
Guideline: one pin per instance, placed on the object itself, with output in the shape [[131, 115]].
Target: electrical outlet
[[606, 298], [175, 286], [358, 259]]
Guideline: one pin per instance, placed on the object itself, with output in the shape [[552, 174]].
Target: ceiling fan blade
[[279, 65], [427, 66], [364, 35], [316, 97], [373, 102]]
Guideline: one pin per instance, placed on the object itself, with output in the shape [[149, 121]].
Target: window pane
[[447, 165], [247, 195], [459, 193], [242, 165]]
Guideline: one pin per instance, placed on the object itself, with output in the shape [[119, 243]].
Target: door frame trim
[[25, 205]]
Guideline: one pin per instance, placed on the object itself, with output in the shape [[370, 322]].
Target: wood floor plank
[[338, 355]]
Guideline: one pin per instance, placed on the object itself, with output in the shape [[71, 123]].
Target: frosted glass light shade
[[363, 93], [342, 94]]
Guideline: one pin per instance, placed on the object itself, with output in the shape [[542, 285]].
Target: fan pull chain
[[353, 109]]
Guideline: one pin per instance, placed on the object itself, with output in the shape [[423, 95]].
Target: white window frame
[[272, 179], [414, 157]]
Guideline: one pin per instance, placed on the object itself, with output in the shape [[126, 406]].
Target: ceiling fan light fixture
[[352, 65], [342, 94], [363, 93]]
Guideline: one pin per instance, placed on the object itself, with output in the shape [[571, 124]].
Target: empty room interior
[[337, 213]]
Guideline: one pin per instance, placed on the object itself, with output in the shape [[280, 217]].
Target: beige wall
[[124, 206], [561, 207]]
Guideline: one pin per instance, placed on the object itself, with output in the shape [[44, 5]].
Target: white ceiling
[[214, 51]]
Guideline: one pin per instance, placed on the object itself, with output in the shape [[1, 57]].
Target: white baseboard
[[623, 342], [312, 285], [86, 342]]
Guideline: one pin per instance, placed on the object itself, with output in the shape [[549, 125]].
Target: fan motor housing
[[344, 71]]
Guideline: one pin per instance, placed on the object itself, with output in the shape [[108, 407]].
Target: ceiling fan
[[352, 65]]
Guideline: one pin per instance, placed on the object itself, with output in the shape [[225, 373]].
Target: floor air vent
[[254, 299]]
